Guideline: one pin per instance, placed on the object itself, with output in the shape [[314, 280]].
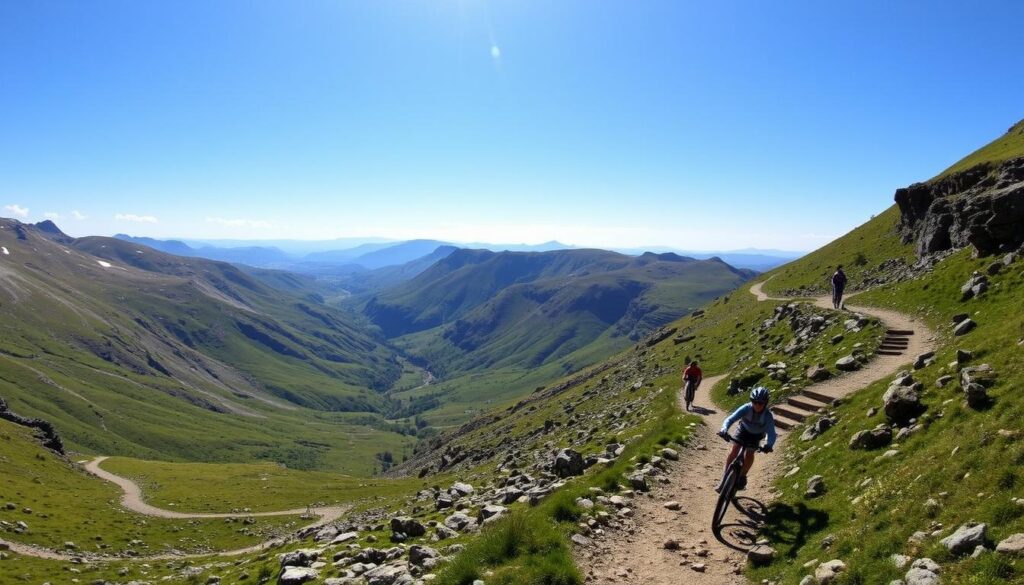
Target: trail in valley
[[636, 554], [132, 500]]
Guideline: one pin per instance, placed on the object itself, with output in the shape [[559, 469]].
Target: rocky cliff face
[[982, 207]]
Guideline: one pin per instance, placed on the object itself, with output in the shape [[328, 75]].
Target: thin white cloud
[[239, 222], [495, 52], [135, 218], [78, 215], [17, 210], [51, 215]]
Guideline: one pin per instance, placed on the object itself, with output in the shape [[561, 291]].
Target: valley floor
[[637, 554]]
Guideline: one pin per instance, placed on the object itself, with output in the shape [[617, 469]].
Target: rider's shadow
[[780, 523], [742, 534], [701, 410]]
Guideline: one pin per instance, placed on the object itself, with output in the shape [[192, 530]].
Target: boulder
[[670, 454], [460, 489], [490, 512], [568, 463], [924, 360], [901, 403], [964, 327], [300, 558], [847, 364], [815, 487], [296, 575], [1012, 545], [407, 526], [876, 438], [818, 373], [418, 555], [966, 538], [388, 575], [458, 521], [826, 573]]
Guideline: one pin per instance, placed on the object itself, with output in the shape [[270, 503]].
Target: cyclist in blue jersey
[[756, 423]]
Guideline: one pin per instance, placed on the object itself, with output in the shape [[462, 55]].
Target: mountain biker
[[838, 284], [692, 376], [756, 421]]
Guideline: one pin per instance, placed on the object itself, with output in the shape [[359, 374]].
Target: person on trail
[[756, 422], [838, 284], [692, 377]]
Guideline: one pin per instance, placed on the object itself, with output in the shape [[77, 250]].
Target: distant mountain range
[[344, 257], [478, 309]]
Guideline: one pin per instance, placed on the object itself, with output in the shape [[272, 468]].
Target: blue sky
[[700, 125]]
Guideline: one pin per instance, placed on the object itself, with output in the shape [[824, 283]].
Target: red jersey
[[692, 373]]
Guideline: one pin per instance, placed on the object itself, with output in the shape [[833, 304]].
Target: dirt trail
[[637, 554], [132, 500]]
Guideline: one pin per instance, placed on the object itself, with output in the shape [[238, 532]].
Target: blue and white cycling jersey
[[753, 423]]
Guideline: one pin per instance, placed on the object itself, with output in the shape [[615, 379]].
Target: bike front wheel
[[724, 497]]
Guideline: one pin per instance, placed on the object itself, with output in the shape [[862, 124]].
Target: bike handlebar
[[732, 439]]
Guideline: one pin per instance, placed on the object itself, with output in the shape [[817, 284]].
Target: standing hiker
[[838, 284]]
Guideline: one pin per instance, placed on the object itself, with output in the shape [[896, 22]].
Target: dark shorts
[[747, 438]]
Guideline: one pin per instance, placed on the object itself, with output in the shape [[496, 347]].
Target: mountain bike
[[728, 492]]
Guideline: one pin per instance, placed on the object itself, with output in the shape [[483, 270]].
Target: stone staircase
[[797, 408]]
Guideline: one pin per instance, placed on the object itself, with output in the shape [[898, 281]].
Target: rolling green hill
[[493, 326]]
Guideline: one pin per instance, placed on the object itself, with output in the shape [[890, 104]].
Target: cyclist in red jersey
[[692, 377]]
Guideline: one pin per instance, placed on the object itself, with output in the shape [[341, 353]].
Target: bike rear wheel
[[725, 496]]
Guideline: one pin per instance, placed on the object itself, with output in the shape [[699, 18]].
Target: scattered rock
[[847, 364], [407, 526], [901, 403], [876, 438], [1012, 545], [828, 572], [815, 487], [818, 372], [761, 554], [296, 575], [671, 544], [964, 327], [568, 463], [966, 538], [673, 505]]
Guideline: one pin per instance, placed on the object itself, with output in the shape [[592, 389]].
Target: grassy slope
[[859, 252], [1007, 146], [203, 487], [35, 478]]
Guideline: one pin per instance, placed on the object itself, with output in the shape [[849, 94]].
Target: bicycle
[[688, 392], [728, 491]]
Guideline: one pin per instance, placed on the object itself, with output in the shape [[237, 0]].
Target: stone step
[[791, 413], [805, 403], [899, 331], [893, 346], [823, 398], [888, 352], [784, 424]]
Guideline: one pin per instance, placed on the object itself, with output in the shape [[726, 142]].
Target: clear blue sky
[[701, 125]]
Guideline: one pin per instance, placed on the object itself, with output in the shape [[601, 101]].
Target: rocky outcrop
[[46, 433], [982, 207]]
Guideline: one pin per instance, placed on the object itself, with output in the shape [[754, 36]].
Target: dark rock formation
[[982, 207], [46, 433]]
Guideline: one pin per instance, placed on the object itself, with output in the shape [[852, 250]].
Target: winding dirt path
[[636, 554], [132, 500]]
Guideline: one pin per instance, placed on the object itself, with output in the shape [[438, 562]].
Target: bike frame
[[729, 484]]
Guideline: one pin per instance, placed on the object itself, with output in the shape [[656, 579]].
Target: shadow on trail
[[741, 534], [782, 524], [694, 409]]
